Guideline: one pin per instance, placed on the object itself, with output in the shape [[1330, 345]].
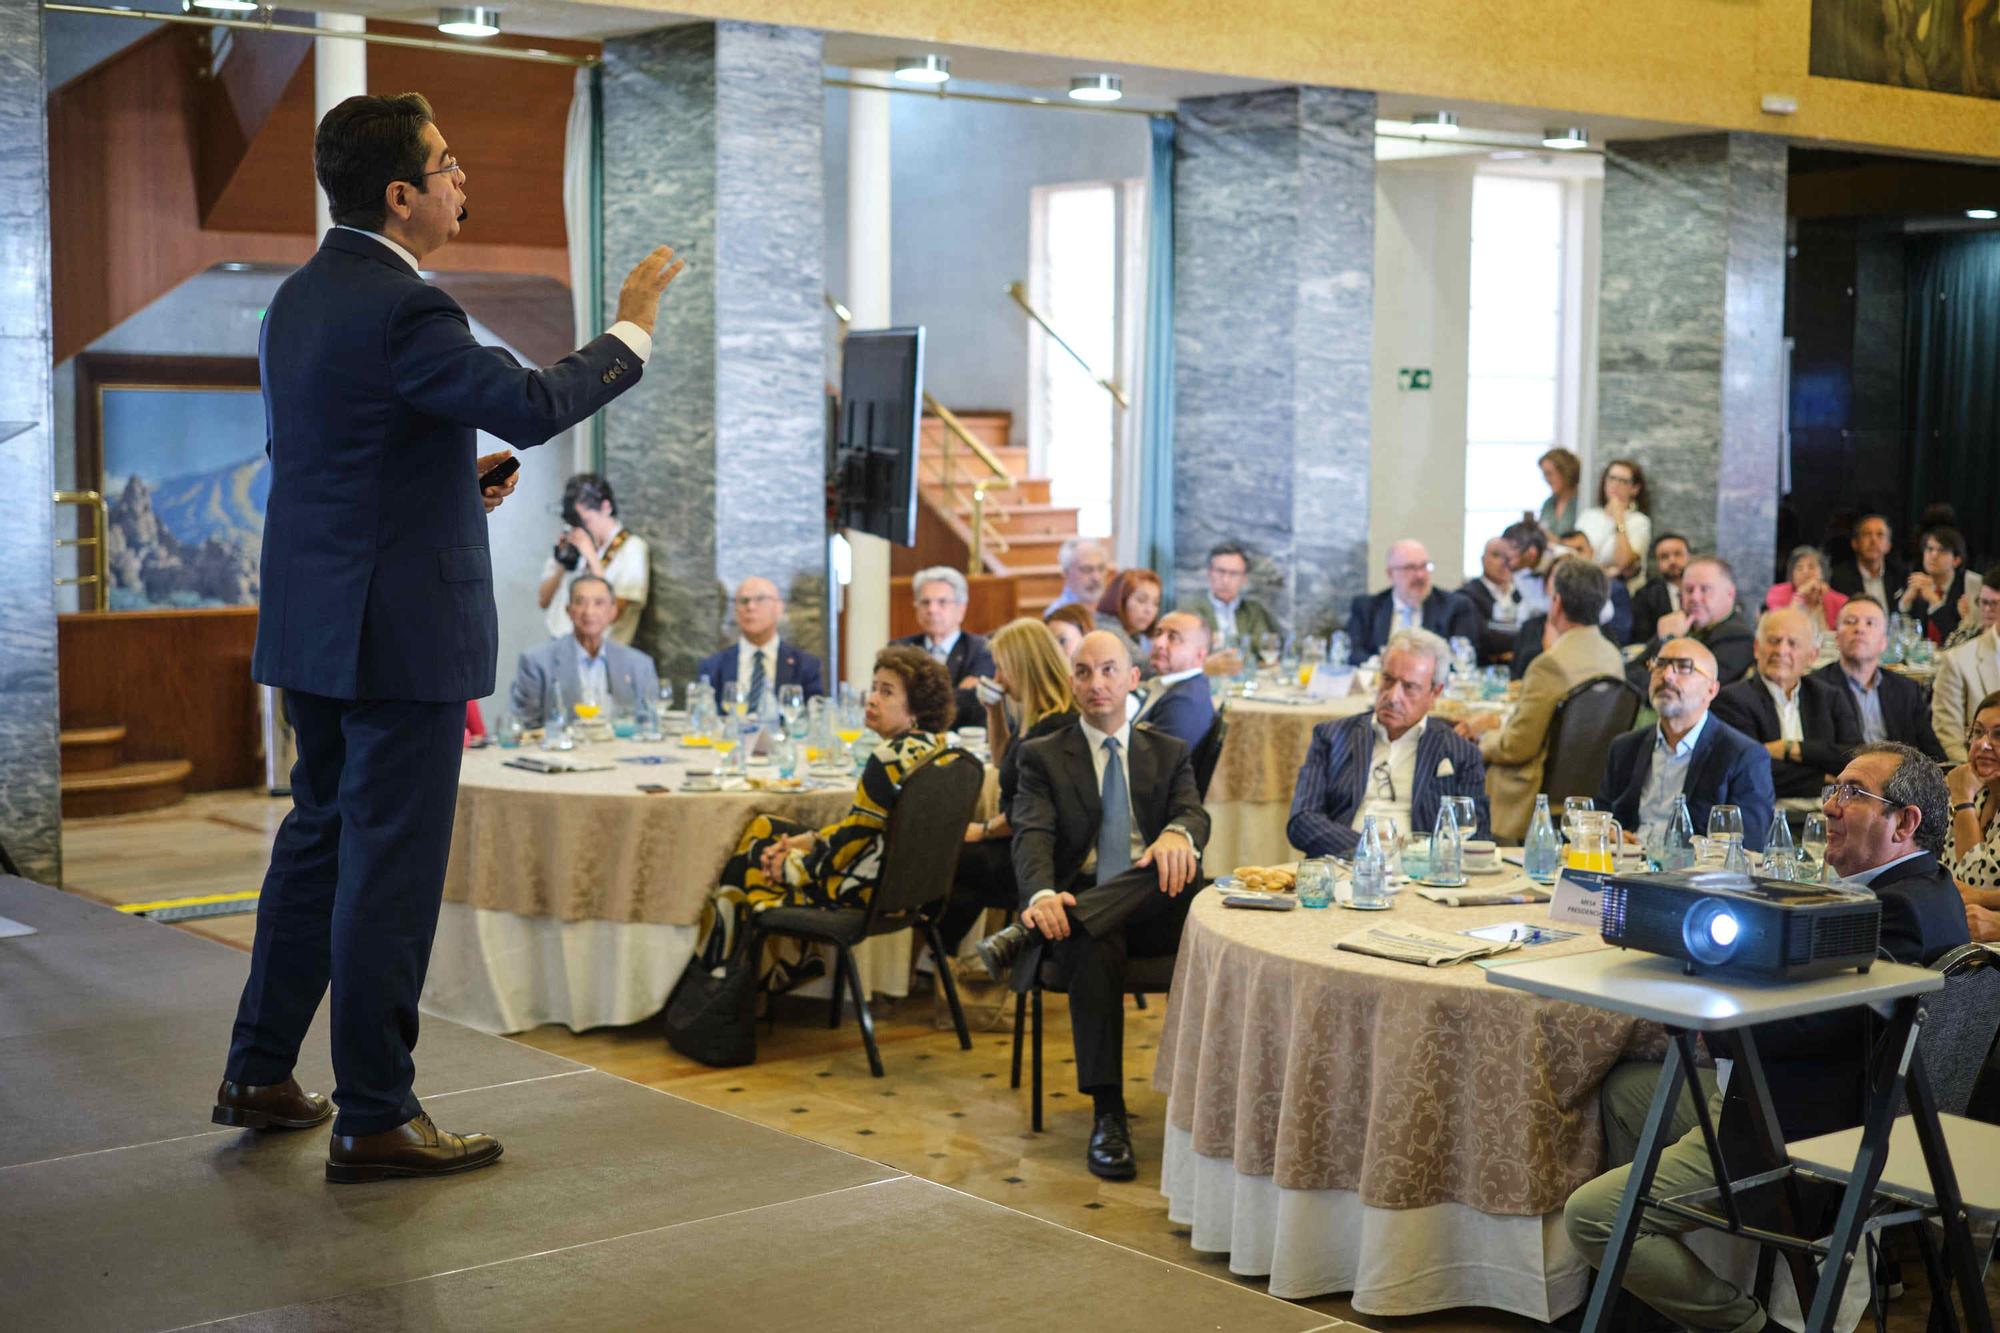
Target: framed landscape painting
[[176, 446]]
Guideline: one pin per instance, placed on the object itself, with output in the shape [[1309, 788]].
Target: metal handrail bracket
[[99, 580]]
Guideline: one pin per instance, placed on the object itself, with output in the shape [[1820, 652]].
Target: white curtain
[[581, 221]]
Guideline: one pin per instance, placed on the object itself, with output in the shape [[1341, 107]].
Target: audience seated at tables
[[1614, 621], [941, 594], [1497, 600], [1563, 471], [593, 541], [1392, 761], [1688, 753], [1708, 615], [1874, 567], [1409, 602], [1886, 823], [1531, 553], [1973, 854], [1968, 673], [1129, 608], [759, 658], [1890, 707], [1939, 595], [586, 664], [778, 860], [1515, 751], [1070, 624], [1032, 700], [1108, 832], [1807, 725], [1230, 615], [1620, 524], [1178, 699], [1660, 594], [1805, 586], [1086, 566]]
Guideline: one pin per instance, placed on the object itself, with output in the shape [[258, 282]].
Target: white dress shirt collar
[[942, 649], [1868, 876], [1096, 740], [394, 248]]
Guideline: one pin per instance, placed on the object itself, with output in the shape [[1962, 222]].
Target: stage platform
[[616, 1206]]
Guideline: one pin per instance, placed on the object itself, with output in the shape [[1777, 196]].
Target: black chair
[[1208, 751], [919, 856], [1143, 977], [1585, 722]]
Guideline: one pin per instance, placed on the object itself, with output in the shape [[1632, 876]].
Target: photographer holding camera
[[594, 542]]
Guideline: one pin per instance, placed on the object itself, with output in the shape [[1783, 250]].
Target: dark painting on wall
[[1946, 46], [176, 446]]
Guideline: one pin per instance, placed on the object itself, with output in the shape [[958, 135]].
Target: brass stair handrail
[[1110, 386], [100, 577]]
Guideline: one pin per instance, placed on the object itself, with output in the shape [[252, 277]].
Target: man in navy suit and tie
[[1409, 602], [378, 622], [759, 658], [942, 595], [1389, 761], [1180, 702]]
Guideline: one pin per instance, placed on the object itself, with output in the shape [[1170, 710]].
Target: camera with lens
[[584, 488]]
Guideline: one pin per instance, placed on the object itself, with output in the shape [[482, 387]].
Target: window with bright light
[[1515, 350], [1075, 285]]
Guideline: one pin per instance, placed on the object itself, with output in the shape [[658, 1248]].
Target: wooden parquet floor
[[941, 1113]]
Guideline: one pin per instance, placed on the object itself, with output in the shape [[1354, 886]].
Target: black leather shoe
[[1110, 1155], [999, 950], [414, 1148], [269, 1106]]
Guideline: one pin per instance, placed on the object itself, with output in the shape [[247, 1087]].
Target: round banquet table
[[575, 898], [1341, 1123]]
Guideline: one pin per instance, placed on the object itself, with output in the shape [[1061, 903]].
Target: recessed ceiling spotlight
[[218, 6], [1982, 214], [469, 21], [1096, 88], [1436, 122], [923, 69], [1569, 136]]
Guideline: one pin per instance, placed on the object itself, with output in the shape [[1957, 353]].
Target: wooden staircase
[[96, 780], [1024, 532]]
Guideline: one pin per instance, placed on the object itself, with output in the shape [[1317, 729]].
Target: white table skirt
[[502, 972]]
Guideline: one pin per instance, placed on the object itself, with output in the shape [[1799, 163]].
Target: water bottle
[[1338, 648], [1736, 858], [1780, 858], [1371, 886], [1677, 846], [555, 725], [1542, 857], [1447, 848]]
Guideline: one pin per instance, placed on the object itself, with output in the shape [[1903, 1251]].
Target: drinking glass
[[1812, 846], [791, 703], [850, 720], [1267, 650], [1725, 828], [735, 699], [647, 723], [1389, 839], [507, 731], [1467, 815], [1572, 806], [624, 722], [1315, 884]]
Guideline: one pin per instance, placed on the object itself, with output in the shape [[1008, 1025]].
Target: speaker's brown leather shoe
[[269, 1106], [414, 1148]]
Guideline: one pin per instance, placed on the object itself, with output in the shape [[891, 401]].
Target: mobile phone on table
[[497, 474], [654, 789]]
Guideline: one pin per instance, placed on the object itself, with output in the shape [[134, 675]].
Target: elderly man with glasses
[[1886, 822], [941, 595], [1409, 602], [1805, 724], [1390, 761], [1687, 754], [759, 658]]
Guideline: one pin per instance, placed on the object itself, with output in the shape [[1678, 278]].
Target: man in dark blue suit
[[1409, 602], [1389, 761], [759, 658], [1688, 754], [1180, 701], [378, 622]]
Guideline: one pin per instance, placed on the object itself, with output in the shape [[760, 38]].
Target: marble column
[[1691, 337], [30, 805], [712, 145], [1274, 235]]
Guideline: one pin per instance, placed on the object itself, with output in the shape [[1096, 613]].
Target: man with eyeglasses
[[1891, 707], [1710, 616], [1806, 725], [1886, 822], [1390, 761], [1409, 602], [759, 659], [1968, 673], [941, 595], [1688, 753], [1086, 567]]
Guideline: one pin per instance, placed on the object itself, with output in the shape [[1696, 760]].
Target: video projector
[[1724, 921]]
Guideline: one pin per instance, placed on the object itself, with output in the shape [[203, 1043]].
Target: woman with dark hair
[[1973, 856], [1805, 585], [910, 705], [1563, 471], [1070, 624], [1938, 595], [1129, 608], [1620, 524]]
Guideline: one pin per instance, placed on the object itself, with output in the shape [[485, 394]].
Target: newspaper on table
[[1426, 948]]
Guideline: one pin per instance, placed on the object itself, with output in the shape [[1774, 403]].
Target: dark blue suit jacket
[[1727, 768], [795, 667], [1333, 783], [1371, 619], [1184, 710], [376, 579]]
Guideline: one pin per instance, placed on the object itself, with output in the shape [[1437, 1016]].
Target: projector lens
[[1710, 931], [1722, 929]]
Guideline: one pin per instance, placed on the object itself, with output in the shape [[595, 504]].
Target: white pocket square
[[1445, 769]]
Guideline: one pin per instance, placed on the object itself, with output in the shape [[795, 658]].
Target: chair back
[[1586, 721], [921, 844], [1960, 1023], [1208, 751]]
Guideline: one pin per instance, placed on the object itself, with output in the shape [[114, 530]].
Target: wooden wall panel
[[177, 681]]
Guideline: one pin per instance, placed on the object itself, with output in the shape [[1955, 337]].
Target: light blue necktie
[[1114, 828]]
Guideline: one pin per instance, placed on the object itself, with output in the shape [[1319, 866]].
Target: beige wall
[[1681, 62]]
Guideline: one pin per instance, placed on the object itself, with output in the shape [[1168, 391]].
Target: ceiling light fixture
[[219, 6], [1436, 122], [1982, 214], [1096, 88], [923, 69], [469, 21], [1568, 136]]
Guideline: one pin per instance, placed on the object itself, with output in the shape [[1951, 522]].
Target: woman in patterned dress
[[1974, 855]]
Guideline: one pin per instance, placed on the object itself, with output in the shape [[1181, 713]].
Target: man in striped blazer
[[1390, 761]]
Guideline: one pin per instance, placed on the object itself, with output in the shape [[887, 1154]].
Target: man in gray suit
[[587, 660]]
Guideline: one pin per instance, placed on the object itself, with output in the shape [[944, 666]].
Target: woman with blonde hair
[[1030, 675]]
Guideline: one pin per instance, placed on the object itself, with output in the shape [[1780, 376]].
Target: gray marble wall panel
[[30, 805], [712, 143], [1690, 336], [1274, 218]]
